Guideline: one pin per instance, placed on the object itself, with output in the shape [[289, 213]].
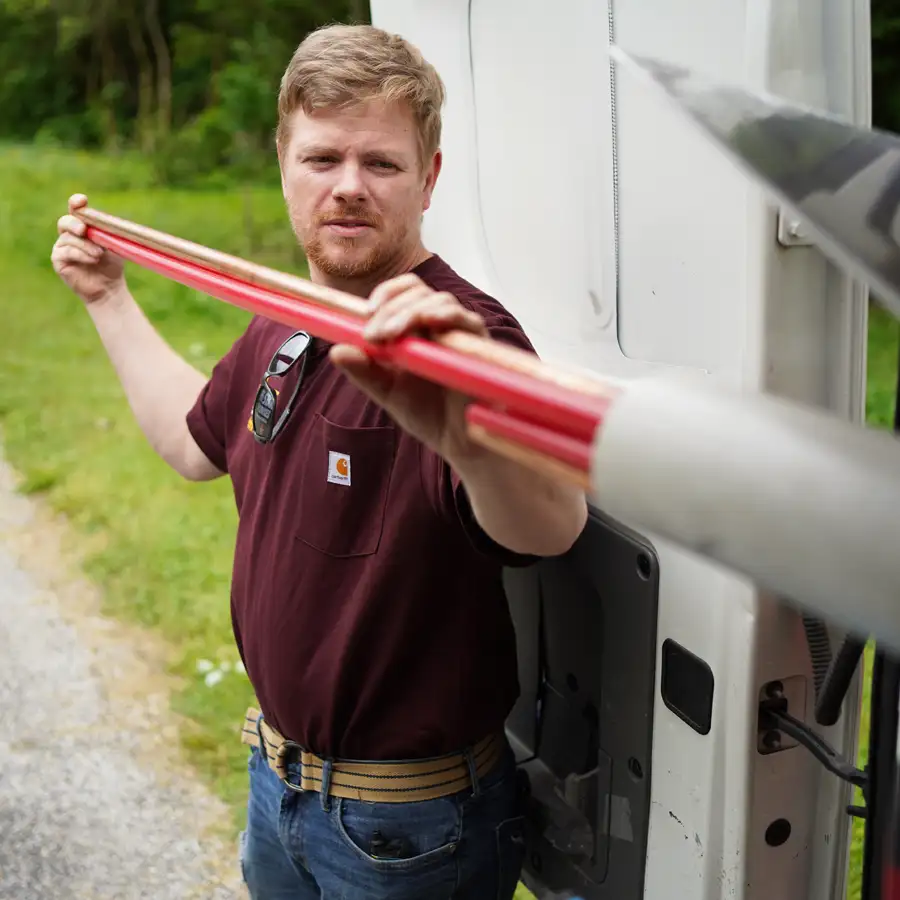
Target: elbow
[[182, 454], [556, 532], [189, 474], [197, 468], [529, 516], [572, 519]]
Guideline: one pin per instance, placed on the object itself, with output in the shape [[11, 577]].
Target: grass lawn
[[160, 548], [884, 335]]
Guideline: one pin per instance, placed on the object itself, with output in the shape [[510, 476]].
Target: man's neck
[[363, 287]]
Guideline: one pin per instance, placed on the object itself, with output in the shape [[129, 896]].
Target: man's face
[[356, 189]]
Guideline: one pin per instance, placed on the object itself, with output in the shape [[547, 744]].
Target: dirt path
[[95, 799]]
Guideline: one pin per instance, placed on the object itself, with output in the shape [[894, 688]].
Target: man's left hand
[[402, 307]]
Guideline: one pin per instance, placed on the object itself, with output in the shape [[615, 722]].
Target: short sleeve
[[207, 418], [446, 486]]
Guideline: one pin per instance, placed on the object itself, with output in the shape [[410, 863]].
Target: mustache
[[347, 212]]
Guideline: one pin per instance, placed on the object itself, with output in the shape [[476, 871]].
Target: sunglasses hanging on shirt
[[291, 352]]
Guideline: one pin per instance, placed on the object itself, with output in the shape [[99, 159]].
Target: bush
[[195, 152], [82, 130]]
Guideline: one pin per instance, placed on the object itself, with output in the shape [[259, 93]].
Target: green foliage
[[192, 83], [196, 152], [162, 548]]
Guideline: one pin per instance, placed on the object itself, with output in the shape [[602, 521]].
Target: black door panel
[[582, 729]]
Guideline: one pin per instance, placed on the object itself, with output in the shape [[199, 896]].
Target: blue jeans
[[300, 846]]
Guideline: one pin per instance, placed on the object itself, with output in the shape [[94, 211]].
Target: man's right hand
[[86, 268]]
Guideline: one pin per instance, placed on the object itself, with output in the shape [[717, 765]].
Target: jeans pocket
[[399, 837], [510, 855]]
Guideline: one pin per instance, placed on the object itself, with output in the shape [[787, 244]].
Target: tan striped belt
[[383, 782]]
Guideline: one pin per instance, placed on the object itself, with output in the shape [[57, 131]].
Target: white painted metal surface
[[542, 156], [754, 482]]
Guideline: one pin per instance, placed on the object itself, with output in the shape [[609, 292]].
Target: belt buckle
[[282, 762]]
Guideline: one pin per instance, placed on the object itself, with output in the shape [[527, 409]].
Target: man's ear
[[431, 177], [279, 151]]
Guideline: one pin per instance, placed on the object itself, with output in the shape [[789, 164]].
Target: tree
[[164, 76]]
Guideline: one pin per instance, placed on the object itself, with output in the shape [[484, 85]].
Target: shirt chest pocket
[[343, 493]]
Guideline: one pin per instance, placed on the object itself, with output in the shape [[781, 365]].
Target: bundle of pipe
[[543, 415], [803, 504]]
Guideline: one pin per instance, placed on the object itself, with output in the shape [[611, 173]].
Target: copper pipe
[[464, 342], [537, 462]]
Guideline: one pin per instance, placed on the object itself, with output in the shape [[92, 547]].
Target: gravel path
[[95, 800]]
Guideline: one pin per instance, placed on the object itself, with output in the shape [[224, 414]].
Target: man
[[367, 599]]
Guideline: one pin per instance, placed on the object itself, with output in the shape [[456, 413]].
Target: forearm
[[159, 385], [521, 510]]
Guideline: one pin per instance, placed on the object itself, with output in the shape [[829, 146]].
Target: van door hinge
[[775, 724], [791, 231]]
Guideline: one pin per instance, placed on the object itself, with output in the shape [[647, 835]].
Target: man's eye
[[383, 164], [321, 160]]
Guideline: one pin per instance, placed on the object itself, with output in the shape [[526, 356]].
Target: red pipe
[[568, 450], [542, 402]]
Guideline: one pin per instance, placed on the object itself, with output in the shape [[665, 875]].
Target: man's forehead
[[373, 125]]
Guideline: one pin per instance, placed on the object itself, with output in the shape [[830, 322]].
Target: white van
[[628, 245]]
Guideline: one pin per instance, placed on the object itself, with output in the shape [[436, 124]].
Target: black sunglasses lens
[[289, 352], [263, 412], [263, 417]]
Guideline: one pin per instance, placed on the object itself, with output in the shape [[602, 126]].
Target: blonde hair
[[339, 66]]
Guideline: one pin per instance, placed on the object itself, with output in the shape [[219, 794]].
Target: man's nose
[[349, 186]]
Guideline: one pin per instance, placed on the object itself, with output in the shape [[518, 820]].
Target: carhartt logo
[[338, 467]]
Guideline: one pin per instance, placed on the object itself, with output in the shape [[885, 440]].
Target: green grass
[[164, 551], [884, 335], [854, 875], [165, 546]]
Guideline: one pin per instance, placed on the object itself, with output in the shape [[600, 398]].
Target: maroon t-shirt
[[367, 603]]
